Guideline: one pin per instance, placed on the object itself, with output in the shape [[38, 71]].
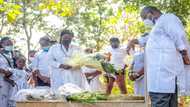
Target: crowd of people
[[163, 54]]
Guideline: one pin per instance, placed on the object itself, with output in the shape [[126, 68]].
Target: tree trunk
[[28, 46], [25, 27], [98, 44], [2, 23]]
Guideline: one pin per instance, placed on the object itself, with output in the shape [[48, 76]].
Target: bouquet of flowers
[[81, 59], [98, 61]]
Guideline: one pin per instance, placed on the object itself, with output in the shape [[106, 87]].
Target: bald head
[[44, 41], [146, 11]]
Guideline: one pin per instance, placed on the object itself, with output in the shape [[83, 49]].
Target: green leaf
[[1, 1], [11, 17], [2, 10]]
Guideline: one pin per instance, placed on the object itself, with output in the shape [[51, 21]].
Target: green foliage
[[10, 10], [92, 21], [61, 7], [179, 7], [87, 97]]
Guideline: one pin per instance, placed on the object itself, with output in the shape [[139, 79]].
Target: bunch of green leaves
[[10, 10], [87, 97], [107, 67]]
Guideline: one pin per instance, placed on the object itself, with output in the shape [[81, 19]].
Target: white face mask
[[8, 48], [148, 23]]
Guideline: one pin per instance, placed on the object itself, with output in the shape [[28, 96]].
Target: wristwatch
[[137, 74], [183, 53]]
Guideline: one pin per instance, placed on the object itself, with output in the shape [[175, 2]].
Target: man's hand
[[5, 72], [185, 57], [36, 73], [64, 66], [186, 60], [108, 56], [133, 76]]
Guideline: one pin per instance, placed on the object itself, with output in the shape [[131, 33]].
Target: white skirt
[[60, 77]]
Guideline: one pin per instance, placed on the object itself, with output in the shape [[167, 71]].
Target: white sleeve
[[142, 41], [3, 64], [51, 58], [14, 76], [87, 70], [105, 49], [175, 31], [34, 63]]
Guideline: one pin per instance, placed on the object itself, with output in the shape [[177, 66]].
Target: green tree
[[9, 13], [179, 7]]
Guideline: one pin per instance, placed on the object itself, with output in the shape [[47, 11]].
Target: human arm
[[175, 30]]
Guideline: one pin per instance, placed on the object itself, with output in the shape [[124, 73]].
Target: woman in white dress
[[92, 75], [138, 68], [60, 72], [20, 77]]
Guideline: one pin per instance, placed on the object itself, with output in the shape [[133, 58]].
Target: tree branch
[[2, 23]]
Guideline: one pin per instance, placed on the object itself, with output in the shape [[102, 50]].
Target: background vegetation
[[92, 21]]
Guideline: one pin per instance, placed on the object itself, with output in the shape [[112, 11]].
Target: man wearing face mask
[[6, 64], [58, 55], [118, 54], [165, 55], [40, 63]]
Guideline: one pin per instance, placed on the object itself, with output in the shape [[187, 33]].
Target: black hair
[[113, 39], [148, 9], [4, 39], [65, 32], [32, 51], [1, 45], [20, 56], [16, 58], [145, 34]]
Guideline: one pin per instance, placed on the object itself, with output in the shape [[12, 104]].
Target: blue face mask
[[45, 49]]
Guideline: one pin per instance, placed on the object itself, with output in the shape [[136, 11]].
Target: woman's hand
[[7, 73]]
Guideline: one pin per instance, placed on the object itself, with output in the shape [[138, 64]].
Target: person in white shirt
[[137, 68], [31, 55], [92, 75], [118, 54], [165, 55], [6, 64], [58, 55], [40, 64], [20, 77]]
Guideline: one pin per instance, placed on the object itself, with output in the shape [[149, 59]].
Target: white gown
[[95, 84], [4, 86], [59, 77], [163, 63], [40, 62], [138, 64], [20, 78], [184, 77]]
